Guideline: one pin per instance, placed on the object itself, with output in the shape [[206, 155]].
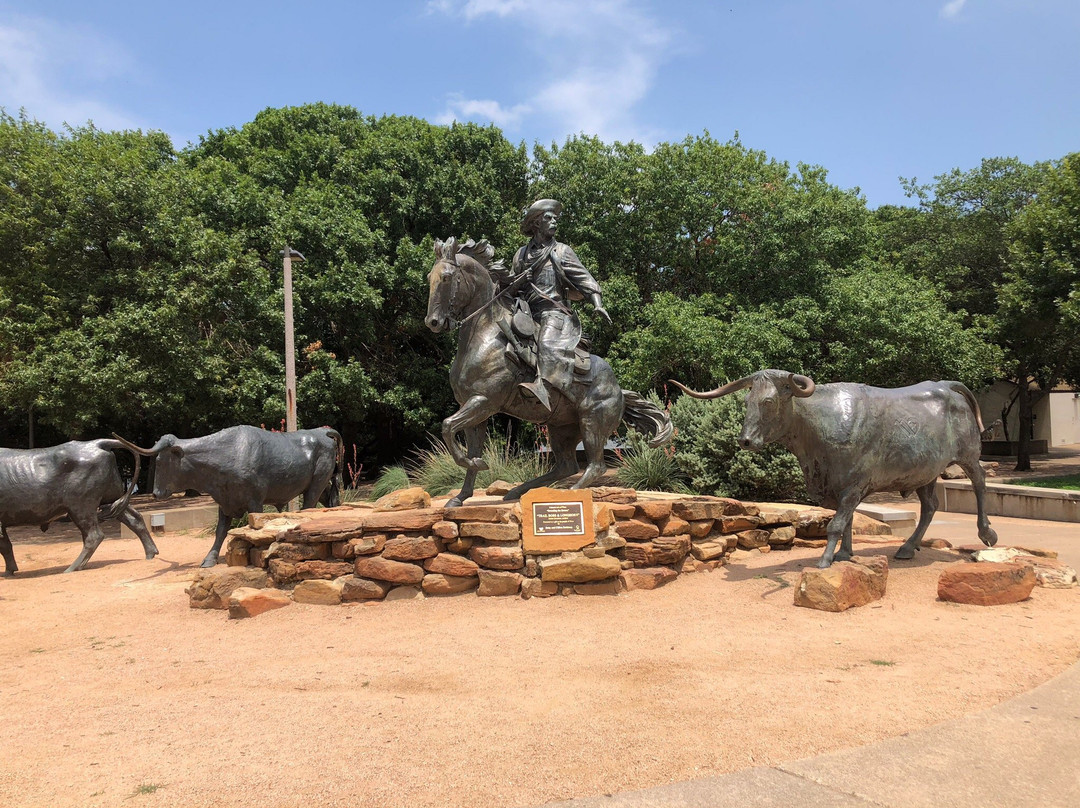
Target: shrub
[[649, 469], [707, 451], [435, 471], [391, 478]]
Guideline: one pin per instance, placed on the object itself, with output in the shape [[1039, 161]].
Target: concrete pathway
[[1024, 752]]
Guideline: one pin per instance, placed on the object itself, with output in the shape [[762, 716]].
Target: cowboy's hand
[[603, 313]]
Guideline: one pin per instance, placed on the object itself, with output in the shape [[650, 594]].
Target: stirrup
[[538, 391]]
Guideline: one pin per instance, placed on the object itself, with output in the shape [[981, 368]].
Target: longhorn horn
[[723, 390], [153, 451], [801, 386]]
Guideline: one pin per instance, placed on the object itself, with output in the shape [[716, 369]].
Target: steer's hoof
[[209, 561], [989, 538], [904, 553], [453, 502], [10, 573], [824, 563], [842, 555]]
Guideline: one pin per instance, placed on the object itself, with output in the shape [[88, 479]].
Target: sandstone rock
[[863, 525], [697, 508], [480, 513], [318, 592], [385, 569], [660, 551], [935, 544], [1036, 551], [410, 548], [700, 528], [274, 522], [249, 602], [405, 499], [285, 572], [499, 488], [532, 566], [997, 555], [673, 526], [817, 543], [211, 588], [705, 550], [368, 544], [446, 530], [621, 511], [777, 513], [404, 593], [607, 493], [281, 530], [288, 551], [593, 552], [451, 564], [602, 517], [653, 510], [781, 536], [256, 557], [843, 585], [612, 586], [610, 540], [813, 523], [460, 546], [436, 583], [637, 530], [1049, 572], [499, 557], [753, 539], [535, 588], [736, 524], [742, 555], [647, 577], [578, 569], [238, 552], [420, 521], [986, 583], [490, 531], [354, 588], [495, 583]]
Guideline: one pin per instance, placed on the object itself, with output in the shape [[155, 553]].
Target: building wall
[[1064, 409], [992, 400]]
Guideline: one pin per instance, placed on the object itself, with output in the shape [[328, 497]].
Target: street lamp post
[[288, 256]]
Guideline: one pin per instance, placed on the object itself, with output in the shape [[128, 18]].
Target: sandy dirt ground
[[115, 693]]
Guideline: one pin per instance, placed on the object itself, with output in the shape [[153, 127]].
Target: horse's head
[[457, 284]]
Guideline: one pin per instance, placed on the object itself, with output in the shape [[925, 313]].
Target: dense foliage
[[140, 287]]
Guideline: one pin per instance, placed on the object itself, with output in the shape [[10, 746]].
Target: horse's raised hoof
[[904, 553], [989, 538], [511, 497], [476, 464]]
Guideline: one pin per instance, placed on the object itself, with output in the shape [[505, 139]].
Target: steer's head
[[768, 406], [167, 474]]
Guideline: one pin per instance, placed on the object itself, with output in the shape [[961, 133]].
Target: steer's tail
[[961, 388], [116, 508], [332, 495], [647, 418]]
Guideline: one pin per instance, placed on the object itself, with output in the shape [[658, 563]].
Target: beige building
[[1057, 415]]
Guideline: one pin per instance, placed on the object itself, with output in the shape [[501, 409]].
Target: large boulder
[[211, 588], [579, 569], [404, 499], [986, 583], [843, 585], [318, 592], [247, 601]]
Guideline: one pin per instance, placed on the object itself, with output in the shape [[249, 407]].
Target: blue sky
[[869, 89]]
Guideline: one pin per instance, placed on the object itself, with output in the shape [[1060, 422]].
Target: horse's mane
[[484, 254]]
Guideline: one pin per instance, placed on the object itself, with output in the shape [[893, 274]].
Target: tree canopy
[[140, 287]]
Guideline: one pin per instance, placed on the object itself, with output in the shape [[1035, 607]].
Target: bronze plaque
[[554, 521]]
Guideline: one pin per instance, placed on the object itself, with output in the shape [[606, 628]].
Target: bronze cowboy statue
[[518, 353], [546, 276]]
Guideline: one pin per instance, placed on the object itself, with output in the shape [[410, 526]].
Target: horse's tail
[[647, 418]]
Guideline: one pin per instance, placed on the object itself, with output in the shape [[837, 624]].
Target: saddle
[[520, 321]]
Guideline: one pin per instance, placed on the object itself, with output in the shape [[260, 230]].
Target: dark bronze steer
[[853, 440], [244, 468], [73, 479]]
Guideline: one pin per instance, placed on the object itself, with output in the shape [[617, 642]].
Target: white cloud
[[593, 62], [952, 9], [55, 72], [459, 108]]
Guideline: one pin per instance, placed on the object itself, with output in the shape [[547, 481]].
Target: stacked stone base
[[362, 553]]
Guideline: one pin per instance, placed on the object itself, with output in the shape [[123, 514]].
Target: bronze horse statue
[[485, 379]]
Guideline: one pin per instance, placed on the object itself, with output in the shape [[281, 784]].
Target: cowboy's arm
[[583, 280]]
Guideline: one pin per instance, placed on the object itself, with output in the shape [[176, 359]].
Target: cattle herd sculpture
[[519, 353]]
